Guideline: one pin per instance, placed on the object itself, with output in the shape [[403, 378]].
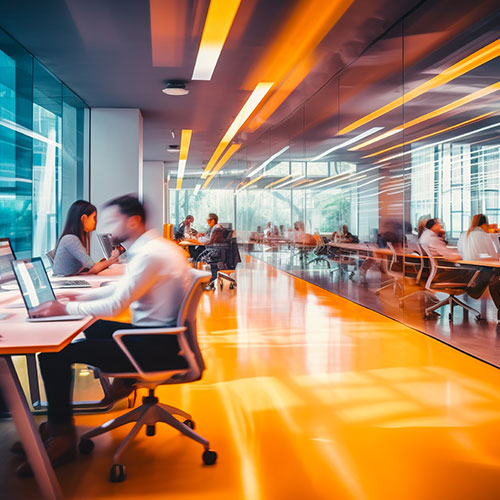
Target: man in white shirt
[[436, 244], [153, 286]]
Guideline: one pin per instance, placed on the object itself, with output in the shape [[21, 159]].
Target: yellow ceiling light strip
[[248, 108], [220, 17], [278, 181], [447, 129], [230, 152], [432, 114], [183, 154], [471, 62], [248, 184]]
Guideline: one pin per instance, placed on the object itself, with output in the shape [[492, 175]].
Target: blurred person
[[153, 287], [432, 238], [476, 243], [72, 253], [268, 230], [184, 230], [300, 235], [215, 233], [422, 221]]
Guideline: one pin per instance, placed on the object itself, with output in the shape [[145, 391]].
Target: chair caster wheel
[[150, 430], [118, 473], [209, 457], [450, 317], [221, 286], [189, 423], [231, 286], [86, 446], [478, 318], [427, 316]]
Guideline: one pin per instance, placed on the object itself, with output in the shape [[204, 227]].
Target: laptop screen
[[33, 281], [106, 242], [6, 257]]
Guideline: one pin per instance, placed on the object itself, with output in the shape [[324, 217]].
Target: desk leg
[[25, 425]]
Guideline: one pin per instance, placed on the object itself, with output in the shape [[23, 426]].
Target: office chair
[[230, 261], [152, 411], [395, 276], [452, 289]]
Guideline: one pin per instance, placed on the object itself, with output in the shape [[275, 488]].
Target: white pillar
[[153, 193], [115, 157]]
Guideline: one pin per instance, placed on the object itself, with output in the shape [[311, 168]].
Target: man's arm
[[141, 276]]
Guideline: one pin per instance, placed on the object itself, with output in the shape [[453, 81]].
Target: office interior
[[370, 114]]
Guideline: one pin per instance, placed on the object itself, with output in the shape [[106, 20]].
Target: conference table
[[20, 337]]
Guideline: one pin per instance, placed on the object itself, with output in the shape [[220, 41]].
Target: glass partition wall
[[406, 133], [42, 126]]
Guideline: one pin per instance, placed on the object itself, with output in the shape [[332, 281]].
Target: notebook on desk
[[35, 287]]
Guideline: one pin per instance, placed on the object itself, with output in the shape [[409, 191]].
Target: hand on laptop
[[50, 308]]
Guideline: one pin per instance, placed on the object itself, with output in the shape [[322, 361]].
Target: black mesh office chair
[[189, 368]]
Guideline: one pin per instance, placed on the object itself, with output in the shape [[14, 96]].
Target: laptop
[[35, 287], [106, 243], [6, 257]]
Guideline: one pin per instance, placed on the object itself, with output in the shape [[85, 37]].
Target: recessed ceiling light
[[175, 88]]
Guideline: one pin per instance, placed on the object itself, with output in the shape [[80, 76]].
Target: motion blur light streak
[[248, 108], [441, 131], [463, 66], [347, 143], [268, 161], [232, 149], [432, 114]]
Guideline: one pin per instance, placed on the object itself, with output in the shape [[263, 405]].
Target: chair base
[[226, 274], [148, 414], [451, 300]]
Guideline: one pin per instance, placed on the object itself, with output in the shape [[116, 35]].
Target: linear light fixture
[[347, 143], [232, 149], [251, 103], [278, 181], [432, 114], [219, 20], [183, 154], [196, 189], [268, 161], [463, 66], [248, 184], [461, 136], [441, 131]]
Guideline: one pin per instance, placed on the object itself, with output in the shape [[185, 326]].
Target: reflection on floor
[[480, 339], [306, 395]]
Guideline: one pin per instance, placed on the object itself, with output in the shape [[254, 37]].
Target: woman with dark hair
[[476, 243], [73, 247]]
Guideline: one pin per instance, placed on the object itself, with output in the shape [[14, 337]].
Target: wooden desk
[[20, 337]]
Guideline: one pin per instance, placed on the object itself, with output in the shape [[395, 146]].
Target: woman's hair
[[477, 220], [74, 221], [421, 225]]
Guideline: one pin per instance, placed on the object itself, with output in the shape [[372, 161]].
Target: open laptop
[[6, 257], [35, 287], [106, 243]]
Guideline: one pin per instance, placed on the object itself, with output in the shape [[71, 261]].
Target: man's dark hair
[[128, 205], [190, 217], [430, 223], [214, 217]]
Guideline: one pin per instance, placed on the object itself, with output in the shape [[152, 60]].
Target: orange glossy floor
[[306, 396]]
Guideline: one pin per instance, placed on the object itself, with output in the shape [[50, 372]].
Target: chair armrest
[[158, 375]]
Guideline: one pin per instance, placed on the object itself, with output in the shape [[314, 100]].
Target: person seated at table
[[270, 230], [184, 230], [476, 243], [153, 287], [215, 233], [345, 236], [300, 236], [73, 247], [432, 237]]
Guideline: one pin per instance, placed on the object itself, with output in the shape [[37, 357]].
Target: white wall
[[153, 193], [115, 157]]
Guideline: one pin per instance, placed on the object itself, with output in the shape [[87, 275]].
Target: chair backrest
[[188, 309], [425, 250], [51, 254]]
